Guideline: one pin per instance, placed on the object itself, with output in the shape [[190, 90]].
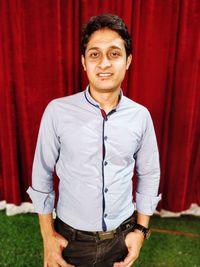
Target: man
[[94, 139]]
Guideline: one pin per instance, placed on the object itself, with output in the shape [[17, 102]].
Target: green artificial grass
[[21, 243], [169, 250]]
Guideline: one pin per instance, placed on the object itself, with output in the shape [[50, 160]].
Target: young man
[[94, 139]]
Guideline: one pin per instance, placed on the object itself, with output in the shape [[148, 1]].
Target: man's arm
[[46, 154], [148, 177], [42, 192], [134, 241], [143, 220], [53, 242]]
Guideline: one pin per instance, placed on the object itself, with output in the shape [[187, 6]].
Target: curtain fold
[[40, 60]]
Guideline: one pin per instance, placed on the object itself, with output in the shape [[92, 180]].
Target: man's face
[[105, 61]]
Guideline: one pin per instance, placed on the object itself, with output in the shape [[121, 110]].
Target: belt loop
[[73, 234], [97, 238]]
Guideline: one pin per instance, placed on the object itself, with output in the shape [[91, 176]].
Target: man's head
[[106, 21], [106, 52]]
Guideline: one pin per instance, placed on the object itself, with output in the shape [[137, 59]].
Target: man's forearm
[[46, 224], [143, 219], [53, 242]]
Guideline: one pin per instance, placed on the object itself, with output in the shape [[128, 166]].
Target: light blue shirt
[[94, 155]]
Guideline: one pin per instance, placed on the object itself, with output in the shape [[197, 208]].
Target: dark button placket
[[104, 164]]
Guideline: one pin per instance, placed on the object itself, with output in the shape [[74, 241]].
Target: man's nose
[[105, 62]]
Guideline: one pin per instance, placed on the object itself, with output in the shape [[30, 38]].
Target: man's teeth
[[104, 74]]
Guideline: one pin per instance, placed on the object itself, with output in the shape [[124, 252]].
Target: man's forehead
[[105, 38]]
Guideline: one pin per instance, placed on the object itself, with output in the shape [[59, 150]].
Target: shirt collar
[[93, 102]]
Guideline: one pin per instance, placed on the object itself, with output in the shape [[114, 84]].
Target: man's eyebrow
[[93, 48], [110, 47]]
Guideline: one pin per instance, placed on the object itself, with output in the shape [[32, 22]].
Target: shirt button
[[106, 190], [105, 163], [105, 138], [105, 215]]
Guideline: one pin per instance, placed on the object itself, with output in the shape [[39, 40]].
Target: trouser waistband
[[101, 235]]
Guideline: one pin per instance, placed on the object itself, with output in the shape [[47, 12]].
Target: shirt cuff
[[146, 204], [43, 202]]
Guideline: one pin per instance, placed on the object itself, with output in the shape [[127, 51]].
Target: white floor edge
[[27, 207]]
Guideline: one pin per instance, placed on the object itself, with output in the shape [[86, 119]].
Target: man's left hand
[[133, 242]]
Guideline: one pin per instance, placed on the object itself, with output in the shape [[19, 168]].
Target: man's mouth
[[103, 75]]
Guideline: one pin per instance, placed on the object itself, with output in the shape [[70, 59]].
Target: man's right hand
[[53, 243], [53, 247]]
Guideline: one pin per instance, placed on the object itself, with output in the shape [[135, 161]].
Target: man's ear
[[128, 62], [83, 62]]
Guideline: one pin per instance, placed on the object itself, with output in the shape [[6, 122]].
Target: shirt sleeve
[[147, 170], [46, 155]]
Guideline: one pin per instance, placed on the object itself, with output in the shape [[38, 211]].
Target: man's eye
[[94, 55], [115, 54]]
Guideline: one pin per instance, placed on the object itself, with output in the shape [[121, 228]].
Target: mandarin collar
[[93, 102]]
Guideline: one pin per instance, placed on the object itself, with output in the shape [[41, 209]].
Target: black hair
[[108, 21]]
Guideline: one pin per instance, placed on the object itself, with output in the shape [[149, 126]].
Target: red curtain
[[40, 60]]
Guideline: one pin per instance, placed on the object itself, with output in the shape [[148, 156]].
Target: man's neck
[[108, 100]]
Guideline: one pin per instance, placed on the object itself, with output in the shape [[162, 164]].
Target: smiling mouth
[[104, 75]]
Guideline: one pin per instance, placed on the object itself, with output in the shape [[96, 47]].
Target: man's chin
[[107, 89]]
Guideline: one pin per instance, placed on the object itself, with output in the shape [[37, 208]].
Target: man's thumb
[[63, 242]]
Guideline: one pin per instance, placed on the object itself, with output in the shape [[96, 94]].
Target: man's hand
[[133, 242], [53, 243], [53, 247]]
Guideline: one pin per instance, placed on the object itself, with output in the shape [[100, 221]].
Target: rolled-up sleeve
[[46, 155], [43, 202], [147, 170]]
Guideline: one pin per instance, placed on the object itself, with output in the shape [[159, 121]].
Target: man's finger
[[128, 261], [63, 263], [129, 265], [119, 264], [63, 242]]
